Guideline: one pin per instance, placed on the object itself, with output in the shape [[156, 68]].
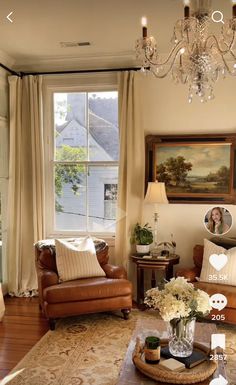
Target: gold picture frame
[[195, 169]]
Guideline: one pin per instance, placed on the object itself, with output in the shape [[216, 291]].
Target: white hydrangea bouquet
[[179, 303], [179, 299]]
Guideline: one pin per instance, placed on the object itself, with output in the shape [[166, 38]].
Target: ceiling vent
[[69, 44]]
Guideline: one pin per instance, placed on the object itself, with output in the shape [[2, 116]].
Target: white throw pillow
[[78, 261], [228, 270]]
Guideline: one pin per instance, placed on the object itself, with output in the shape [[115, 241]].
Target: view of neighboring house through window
[[86, 156]]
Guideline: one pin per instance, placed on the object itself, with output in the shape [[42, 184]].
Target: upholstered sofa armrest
[[189, 274], [112, 271], [48, 278]]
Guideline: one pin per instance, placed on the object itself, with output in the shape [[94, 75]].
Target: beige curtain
[[26, 183], [132, 164]]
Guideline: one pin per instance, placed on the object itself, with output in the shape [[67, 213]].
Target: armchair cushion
[[86, 289], [77, 260]]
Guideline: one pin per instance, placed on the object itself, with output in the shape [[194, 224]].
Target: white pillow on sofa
[[229, 269], [78, 261]]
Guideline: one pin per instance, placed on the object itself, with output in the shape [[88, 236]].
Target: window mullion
[[107, 163]]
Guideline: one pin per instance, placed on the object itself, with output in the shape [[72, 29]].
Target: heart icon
[[218, 261]]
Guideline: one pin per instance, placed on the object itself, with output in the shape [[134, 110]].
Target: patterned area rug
[[89, 350]]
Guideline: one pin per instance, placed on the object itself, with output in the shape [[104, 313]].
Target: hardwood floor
[[22, 326]]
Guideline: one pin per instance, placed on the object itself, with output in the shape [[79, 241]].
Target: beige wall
[[166, 111]]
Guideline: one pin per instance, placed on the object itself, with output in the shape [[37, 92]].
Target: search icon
[[220, 20]]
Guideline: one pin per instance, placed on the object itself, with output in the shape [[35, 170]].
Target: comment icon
[[218, 301]]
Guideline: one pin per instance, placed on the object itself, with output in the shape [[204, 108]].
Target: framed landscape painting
[[194, 168]]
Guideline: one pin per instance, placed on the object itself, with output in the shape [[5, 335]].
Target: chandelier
[[198, 58]]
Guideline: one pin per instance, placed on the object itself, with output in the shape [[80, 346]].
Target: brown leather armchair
[[212, 288], [81, 296]]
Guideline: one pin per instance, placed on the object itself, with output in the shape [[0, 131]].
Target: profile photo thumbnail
[[218, 220]]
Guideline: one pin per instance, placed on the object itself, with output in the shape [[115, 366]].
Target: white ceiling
[[32, 41]]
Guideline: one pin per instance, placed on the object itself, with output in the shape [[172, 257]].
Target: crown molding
[[88, 61], [82, 62], [7, 60]]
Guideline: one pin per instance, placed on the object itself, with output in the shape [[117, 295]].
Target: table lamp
[[156, 193]]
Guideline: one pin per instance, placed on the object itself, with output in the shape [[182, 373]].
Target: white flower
[[171, 307], [179, 299], [203, 301]]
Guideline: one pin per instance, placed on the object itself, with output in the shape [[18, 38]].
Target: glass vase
[[181, 336]]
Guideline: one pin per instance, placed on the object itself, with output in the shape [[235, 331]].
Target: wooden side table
[[165, 265]]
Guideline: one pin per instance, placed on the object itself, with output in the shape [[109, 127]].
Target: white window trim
[[93, 82]]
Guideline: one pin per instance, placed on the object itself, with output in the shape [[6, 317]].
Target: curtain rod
[[9, 70], [21, 74]]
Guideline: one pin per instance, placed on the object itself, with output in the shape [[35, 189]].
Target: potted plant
[[142, 236]]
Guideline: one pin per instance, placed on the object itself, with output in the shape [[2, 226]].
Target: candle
[[186, 8], [234, 10], [152, 350], [144, 24], [186, 11]]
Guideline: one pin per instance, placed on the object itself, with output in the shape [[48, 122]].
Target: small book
[[172, 364], [196, 357]]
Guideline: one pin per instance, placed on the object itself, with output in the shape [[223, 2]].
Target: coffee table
[[129, 375]]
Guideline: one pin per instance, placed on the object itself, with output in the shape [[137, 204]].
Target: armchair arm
[[112, 271], [189, 274], [46, 278]]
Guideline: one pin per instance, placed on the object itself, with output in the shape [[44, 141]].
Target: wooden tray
[[188, 376]]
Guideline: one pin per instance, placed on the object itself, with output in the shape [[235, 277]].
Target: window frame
[[95, 82]]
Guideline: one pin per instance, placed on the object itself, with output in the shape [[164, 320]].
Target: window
[[85, 159]]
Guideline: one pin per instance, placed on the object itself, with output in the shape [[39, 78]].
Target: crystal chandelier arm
[[168, 57], [230, 45], [223, 52], [232, 53], [187, 34], [168, 70], [227, 67]]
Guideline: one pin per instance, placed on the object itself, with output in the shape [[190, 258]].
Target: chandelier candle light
[[198, 58]]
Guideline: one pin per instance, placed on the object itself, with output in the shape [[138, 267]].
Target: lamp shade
[[156, 193]]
